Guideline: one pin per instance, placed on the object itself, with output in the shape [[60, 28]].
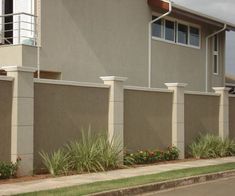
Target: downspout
[[207, 49], [150, 42], [39, 14]]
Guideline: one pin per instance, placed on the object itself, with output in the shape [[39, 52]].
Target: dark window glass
[[216, 71], [157, 29], [169, 30], [194, 36], [182, 34], [216, 43]]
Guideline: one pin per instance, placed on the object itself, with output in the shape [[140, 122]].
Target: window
[[182, 34], [194, 36], [174, 31], [169, 30], [216, 55], [157, 28]]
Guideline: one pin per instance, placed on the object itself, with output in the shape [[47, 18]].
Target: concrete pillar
[[22, 117], [116, 109], [223, 111], [178, 116]]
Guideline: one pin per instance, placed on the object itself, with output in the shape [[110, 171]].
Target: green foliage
[[8, 170], [93, 153], [211, 146], [147, 157], [57, 162]]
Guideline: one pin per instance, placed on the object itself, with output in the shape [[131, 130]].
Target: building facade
[[82, 40]]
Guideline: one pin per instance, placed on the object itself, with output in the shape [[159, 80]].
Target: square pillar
[[116, 110], [22, 117], [223, 111], [178, 116]]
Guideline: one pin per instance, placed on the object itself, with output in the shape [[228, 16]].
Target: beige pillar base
[[178, 116], [223, 111], [22, 117], [116, 110]]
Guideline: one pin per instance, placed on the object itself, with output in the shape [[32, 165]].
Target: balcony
[[18, 28]]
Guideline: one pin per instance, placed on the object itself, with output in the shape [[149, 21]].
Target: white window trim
[[177, 21], [216, 53]]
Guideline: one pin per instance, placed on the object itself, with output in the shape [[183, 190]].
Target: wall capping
[[201, 93], [6, 78], [137, 88], [70, 83], [19, 69]]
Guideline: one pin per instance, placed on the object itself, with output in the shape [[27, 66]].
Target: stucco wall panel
[[147, 123], [232, 117], [61, 112], [5, 116], [201, 116]]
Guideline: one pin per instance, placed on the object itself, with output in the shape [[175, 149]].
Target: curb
[[159, 186]]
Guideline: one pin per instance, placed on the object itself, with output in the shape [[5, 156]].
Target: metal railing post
[[19, 32]]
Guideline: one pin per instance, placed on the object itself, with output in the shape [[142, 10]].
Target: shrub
[[8, 170], [93, 153], [57, 163], [211, 146], [147, 157]]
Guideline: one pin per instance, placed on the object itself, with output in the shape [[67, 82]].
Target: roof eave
[[202, 17]]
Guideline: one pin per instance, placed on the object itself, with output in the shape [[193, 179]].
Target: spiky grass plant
[[211, 146], [57, 163], [93, 153]]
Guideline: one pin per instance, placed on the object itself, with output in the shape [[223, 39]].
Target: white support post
[[178, 116], [223, 111], [116, 110], [22, 117]]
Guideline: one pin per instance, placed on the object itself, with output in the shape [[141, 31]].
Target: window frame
[[177, 32], [215, 54], [176, 22]]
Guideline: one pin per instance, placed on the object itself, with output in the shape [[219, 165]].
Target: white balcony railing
[[18, 28]]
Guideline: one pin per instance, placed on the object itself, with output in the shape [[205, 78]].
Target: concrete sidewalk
[[61, 182]]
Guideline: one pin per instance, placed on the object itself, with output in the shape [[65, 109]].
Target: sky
[[223, 9]]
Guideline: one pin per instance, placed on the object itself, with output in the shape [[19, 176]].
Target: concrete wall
[[61, 112], [201, 116], [232, 117], [147, 120], [87, 39], [5, 116]]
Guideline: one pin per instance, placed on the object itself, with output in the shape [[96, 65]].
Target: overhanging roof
[[164, 5]]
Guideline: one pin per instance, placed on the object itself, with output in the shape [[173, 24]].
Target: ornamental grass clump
[[211, 146], [92, 153], [57, 163]]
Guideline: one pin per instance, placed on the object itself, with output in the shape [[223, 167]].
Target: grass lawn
[[134, 181]]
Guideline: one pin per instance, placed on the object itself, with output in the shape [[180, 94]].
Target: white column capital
[[170, 85], [113, 78], [19, 69], [221, 89]]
